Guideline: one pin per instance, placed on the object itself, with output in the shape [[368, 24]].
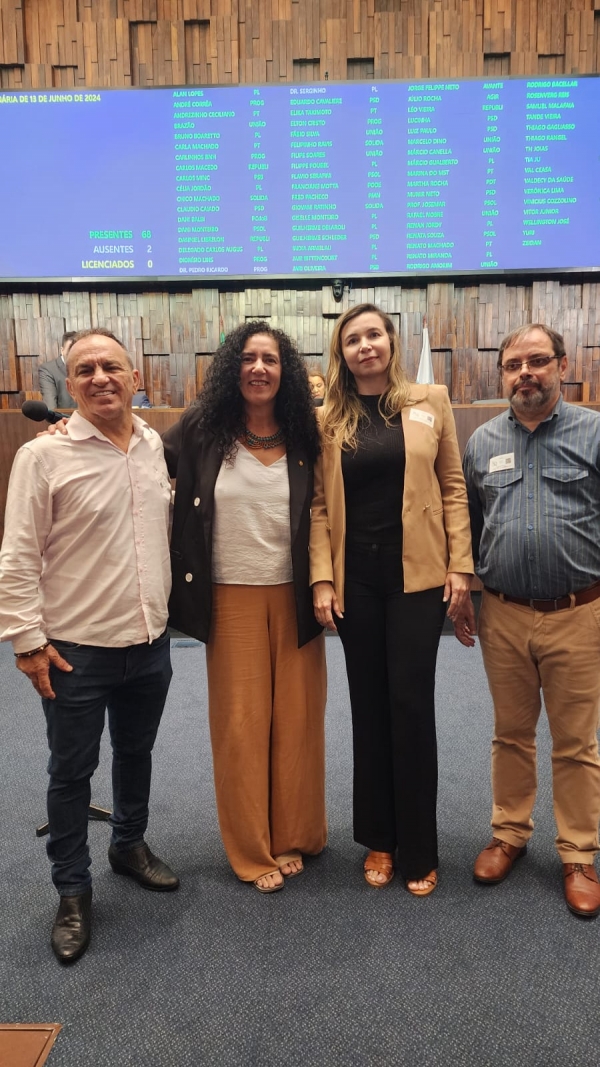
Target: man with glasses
[[533, 478]]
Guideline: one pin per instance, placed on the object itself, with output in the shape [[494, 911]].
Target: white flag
[[425, 371]]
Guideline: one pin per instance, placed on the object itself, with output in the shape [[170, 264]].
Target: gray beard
[[530, 405]]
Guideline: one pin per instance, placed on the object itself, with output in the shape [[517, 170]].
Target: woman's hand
[[457, 590], [54, 427], [326, 604]]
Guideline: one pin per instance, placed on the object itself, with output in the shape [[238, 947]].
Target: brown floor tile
[[26, 1044]]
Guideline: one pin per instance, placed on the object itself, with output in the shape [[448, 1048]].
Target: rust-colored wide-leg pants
[[266, 712]]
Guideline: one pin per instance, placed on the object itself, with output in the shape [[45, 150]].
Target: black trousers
[[391, 640]]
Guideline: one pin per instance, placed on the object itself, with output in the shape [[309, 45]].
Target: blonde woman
[[390, 553]]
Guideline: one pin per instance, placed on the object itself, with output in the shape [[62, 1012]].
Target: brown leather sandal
[[381, 863], [430, 879]]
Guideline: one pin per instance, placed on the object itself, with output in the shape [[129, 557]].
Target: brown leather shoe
[[582, 889], [496, 860], [379, 863]]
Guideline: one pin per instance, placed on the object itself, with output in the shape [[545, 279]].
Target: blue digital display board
[[348, 179]]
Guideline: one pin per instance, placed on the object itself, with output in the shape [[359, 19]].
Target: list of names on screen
[[346, 179]]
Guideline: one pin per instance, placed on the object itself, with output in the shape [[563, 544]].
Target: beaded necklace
[[253, 440]]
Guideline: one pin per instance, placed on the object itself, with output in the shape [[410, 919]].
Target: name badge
[[502, 463], [421, 416]]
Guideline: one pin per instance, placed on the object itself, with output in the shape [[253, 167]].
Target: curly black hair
[[222, 405]]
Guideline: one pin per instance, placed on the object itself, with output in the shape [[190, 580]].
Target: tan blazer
[[435, 514]]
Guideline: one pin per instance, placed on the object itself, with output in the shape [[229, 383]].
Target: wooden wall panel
[[12, 34], [333, 49], [497, 26], [158, 52], [9, 381], [198, 59], [46, 43], [306, 28], [580, 44], [172, 336], [157, 376]]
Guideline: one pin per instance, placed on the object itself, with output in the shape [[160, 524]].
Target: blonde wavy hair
[[342, 409]]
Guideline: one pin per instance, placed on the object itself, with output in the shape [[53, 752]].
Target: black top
[[374, 479]]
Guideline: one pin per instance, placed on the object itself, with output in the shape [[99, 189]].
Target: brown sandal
[[380, 863], [430, 879]]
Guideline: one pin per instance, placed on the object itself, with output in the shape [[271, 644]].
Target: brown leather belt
[[571, 600]]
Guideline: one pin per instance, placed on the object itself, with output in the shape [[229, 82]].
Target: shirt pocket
[[561, 487], [502, 493]]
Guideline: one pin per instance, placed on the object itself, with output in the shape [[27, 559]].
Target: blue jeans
[[132, 683]]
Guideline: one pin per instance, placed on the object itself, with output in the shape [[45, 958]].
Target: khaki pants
[[558, 652], [266, 711]]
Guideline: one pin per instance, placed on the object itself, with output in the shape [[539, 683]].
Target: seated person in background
[[53, 377], [141, 400], [316, 381]]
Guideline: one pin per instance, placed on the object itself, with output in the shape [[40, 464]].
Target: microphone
[[40, 412]]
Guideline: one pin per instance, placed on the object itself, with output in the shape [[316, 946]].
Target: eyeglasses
[[535, 363]]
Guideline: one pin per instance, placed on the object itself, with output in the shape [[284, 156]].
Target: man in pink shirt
[[85, 580]]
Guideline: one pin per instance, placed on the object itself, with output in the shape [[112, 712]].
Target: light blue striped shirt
[[534, 498]]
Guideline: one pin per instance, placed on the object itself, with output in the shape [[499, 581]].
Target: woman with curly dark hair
[[243, 456]]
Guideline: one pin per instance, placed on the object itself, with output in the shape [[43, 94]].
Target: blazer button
[[189, 577], [300, 462], [196, 501]]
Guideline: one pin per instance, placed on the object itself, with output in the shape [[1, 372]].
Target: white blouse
[[251, 532]]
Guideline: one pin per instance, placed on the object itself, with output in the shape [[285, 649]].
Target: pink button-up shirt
[[85, 555]]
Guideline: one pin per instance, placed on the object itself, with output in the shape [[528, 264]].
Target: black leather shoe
[[72, 927], [146, 869]]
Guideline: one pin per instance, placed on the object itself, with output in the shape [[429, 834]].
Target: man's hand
[[326, 604], [54, 427], [464, 625], [37, 669], [456, 590]]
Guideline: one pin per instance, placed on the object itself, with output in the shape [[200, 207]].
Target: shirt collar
[[80, 429], [556, 410]]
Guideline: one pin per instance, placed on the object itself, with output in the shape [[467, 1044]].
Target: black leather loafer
[[72, 927], [146, 869]]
